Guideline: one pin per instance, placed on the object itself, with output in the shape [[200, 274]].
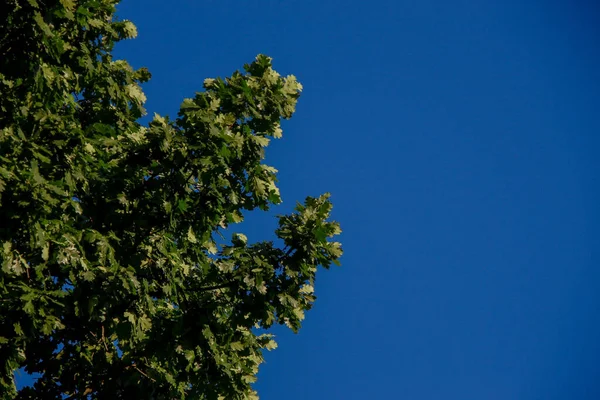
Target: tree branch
[[215, 287]]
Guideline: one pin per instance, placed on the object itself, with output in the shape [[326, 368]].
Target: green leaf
[[68, 4], [237, 346], [17, 328], [130, 29], [42, 24], [29, 308], [92, 303], [189, 355], [210, 247], [46, 251], [190, 235], [135, 92], [240, 238], [271, 345], [261, 140]]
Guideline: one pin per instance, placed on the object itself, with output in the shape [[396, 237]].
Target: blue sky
[[459, 141]]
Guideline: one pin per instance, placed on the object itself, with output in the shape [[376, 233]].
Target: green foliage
[[112, 285]]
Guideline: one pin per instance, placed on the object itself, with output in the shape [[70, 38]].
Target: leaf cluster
[[112, 282]]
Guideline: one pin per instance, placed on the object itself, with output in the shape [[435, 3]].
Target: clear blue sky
[[460, 143]]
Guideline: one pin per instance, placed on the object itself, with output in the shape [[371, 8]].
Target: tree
[[113, 284]]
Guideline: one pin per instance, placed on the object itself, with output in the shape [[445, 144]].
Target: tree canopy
[[114, 283]]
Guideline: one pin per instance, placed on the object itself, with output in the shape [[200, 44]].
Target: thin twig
[[104, 339], [143, 373]]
